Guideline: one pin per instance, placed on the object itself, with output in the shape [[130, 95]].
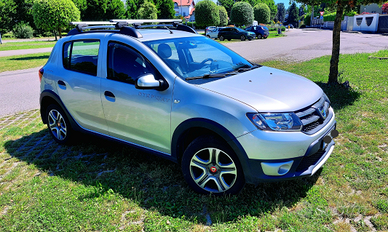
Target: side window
[[127, 65], [81, 56]]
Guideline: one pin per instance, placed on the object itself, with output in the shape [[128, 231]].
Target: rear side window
[[81, 56]]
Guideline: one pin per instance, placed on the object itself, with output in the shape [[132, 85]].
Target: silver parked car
[[185, 97], [212, 32]]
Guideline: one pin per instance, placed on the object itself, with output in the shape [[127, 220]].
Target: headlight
[[276, 121]]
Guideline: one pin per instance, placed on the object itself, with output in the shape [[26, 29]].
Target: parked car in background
[[235, 33], [212, 32], [261, 32]]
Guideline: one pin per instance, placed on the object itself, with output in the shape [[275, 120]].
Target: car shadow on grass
[[41, 57], [340, 95], [152, 182]]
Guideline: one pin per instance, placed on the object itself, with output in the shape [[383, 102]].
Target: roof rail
[[123, 26], [141, 21]]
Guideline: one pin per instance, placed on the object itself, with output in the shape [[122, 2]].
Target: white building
[[185, 8]]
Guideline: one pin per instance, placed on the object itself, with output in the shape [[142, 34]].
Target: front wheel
[[209, 166], [242, 37], [58, 124], [259, 36], [222, 38]]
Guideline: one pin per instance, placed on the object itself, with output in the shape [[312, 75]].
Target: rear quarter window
[[81, 56]]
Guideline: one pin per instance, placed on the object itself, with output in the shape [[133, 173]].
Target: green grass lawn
[[11, 63], [99, 185], [26, 45]]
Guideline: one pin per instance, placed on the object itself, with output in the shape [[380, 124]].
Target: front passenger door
[[140, 116]]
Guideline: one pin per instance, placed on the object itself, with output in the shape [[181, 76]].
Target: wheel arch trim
[[209, 125]]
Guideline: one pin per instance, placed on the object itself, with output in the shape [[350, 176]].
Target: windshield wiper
[[210, 75], [246, 67]]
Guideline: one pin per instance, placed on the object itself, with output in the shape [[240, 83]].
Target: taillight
[[41, 71]]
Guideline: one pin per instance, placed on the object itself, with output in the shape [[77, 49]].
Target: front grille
[[307, 161], [315, 116]]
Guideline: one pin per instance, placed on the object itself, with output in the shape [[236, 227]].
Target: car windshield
[[265, 28], [199, 59], [239, 29]]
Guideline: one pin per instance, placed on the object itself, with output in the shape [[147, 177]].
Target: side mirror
[[148, 81]]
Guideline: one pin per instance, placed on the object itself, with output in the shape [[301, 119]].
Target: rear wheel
[[222, 38], [58, 124], [243, 37], [209, 166]]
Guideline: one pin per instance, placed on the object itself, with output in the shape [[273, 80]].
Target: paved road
[[19, 90], [306, 44]]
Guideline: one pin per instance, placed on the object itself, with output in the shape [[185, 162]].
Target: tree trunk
[[55, 34], [60, 33], [312, 15], [333, 76]]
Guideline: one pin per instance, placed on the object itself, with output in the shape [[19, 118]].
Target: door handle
[[62, 84], [110, 96]]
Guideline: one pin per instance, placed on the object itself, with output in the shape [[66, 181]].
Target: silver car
[[189, 99]]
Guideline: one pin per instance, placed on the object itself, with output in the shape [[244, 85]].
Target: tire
[[208, 36], [259, 36], [211, 167], [222, 38], [243, 38], [58, 124]]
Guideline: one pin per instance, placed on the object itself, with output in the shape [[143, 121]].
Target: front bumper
[[288, 157]]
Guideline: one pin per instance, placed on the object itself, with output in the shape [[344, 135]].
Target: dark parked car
[[235, 33], [260, 31]]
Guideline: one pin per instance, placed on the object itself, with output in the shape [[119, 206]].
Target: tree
[[207, 13], [242, 13], [95, 10], [54, 14], [340, 6], [7, 12], [281, 14], [293, 14], [223, 16], [262, 13], [81, 5], [227, 4], [148, 10], [114, 10], [131, 11], [272, 7], [165, 9]]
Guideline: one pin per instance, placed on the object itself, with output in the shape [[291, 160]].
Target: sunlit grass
[[26, 45], [11, 63]]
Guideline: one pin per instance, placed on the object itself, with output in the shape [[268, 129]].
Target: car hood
[[268, 89]]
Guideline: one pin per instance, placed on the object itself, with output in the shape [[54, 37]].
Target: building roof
[[184, 2]]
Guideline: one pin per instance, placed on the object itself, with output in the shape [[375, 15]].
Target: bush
[[262, 13], [223, 16], [23, 31], [207, 14], [241, 14]]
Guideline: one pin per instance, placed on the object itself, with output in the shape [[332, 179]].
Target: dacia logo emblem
[[322, 111]]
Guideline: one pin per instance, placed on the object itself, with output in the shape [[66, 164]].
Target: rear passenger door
[[79, 85]]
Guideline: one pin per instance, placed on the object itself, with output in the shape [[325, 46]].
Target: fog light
[[276, 169]]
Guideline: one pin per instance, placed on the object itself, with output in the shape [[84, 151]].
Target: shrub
[[148, 10], [23, 31], [223, 16], [242, 13], [262, 13], [385, 7], [207, 14]]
